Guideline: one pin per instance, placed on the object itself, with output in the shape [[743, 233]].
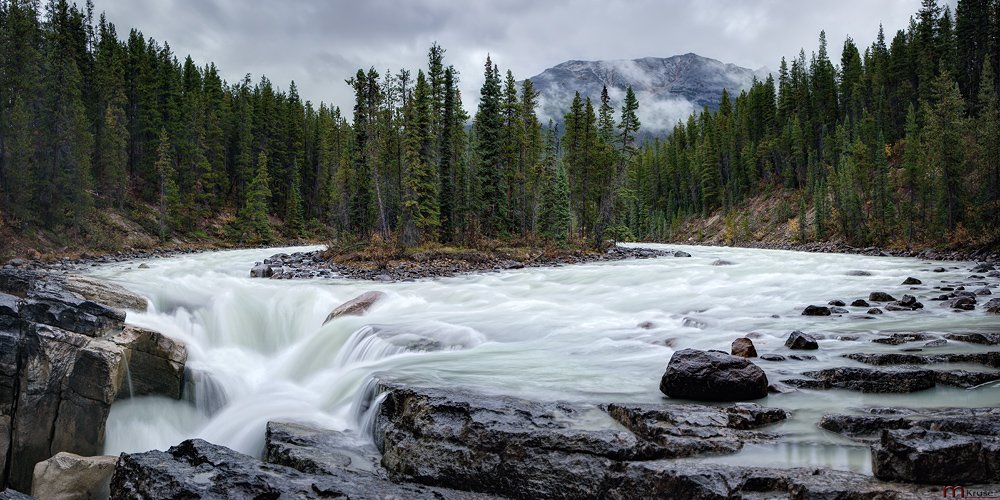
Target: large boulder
[[71, 477], [712, 376], [357, 306], [50, 303], [155, 363], [743, 347]]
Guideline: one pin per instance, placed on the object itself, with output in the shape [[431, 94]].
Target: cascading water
[[596, 333]]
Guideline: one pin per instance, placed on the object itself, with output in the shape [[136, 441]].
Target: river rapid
[[258, 350]]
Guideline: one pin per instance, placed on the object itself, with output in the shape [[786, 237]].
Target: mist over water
[[597, 333]]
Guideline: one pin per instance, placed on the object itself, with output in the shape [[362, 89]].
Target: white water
[[258, 350]]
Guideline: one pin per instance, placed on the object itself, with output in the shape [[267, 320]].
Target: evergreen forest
[[893, 144]]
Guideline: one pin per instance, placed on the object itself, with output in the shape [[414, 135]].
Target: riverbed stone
[[860, 303], [816, 311], [975, 338], [875, 380], [67, 476], [743, 347], [992, 306], [881, 297], [357, 306], [800, 340], [912, 281], [963, 303], [712, 376]]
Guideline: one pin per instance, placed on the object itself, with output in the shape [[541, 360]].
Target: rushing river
[[258, 350]]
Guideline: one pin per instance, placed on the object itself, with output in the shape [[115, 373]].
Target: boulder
[[964, 303], [104, 292], [799, 340], [919, 455], [357, 306], [743, 347], [712, 376], [155, 363], [860, 303], [839, 310], [874, 310], [816, 311], [880, 297], [772, 357], [836, 303], [993, 306], [681, 253], [71, 477], [874, 380], [912, 281], [49, 302], [261, 271]]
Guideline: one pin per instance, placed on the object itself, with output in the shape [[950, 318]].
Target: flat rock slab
[[687, 429], [991, 358], [196, 469], [983, 421], [314, 450], [871, 380], [936, 457]]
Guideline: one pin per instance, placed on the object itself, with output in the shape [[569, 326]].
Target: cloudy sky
[[320, 43]]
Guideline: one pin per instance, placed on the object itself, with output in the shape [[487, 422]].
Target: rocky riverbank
[[424, 265], [989, 255]]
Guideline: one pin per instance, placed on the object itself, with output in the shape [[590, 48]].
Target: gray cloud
[[320, 43]]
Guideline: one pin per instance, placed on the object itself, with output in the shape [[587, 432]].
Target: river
[[594, 333]]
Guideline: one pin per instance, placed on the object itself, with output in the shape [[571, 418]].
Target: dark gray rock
[[993, 306], [816, 311], [9, 494], [983, 268], [261, 271], [712, 376], [681, 254], [965, 379], [935, 457], [975, 338], [50, 303], [743, 347], [983, 291], [196, 469], [901, 338], [313, 450], [155, 363], [964, 303], [800, 340], [859, 426], [880, 297], [874, 310], [839, 310], [860, 303], [877, 380], [858, 273], [912, 281], [723, 262], [836, 303], [772, 357]]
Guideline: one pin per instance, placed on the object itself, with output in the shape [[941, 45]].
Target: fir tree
[[253, 216]]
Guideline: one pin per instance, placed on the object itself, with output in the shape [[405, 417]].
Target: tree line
[[895, 144], [898, 145]]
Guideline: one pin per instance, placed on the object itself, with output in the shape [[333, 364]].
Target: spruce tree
[[253, 216], [488, 126]]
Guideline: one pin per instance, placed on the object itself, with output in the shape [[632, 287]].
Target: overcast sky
[[320, 43]]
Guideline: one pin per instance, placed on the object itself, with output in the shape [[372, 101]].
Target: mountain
[[669, 89]]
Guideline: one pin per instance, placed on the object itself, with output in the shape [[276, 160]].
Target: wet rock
[[691, 430], [839, 310], [800, 340], [71, 477], [975, 338], [965, 379], [983, 268], [357, 306], [50, 302], [802, 357], [196, 469], [645, 325], [939, 270], [723, 262], [936, 343], [816, 311], [313, 450], [993, 306], [859, 426], [874, 310], [882, 359], [525, 449], [155, 363], [104, 292], [860, 303], [912, 281], [837, 303], [261, 271], [143, 266], [680, 253], [876, 380], [902, 338], [772, 357], [9, 494], [858, 273], [983, 291], [712, 376], [991, 358], [743, 347], [779, 388], [963, 303], [935, 457], [880, 297]]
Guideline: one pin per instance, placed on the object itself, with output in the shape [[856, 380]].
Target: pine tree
[[168, 188], [420, 205], [253, 216], [488, 125]]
